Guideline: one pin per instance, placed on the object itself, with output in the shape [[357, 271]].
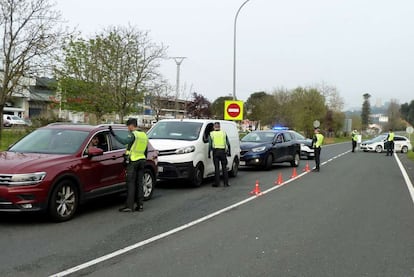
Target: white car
[[376, 144], [13, 120]]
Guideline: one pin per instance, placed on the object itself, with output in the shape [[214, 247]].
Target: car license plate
[[160, 169], [242, 163]]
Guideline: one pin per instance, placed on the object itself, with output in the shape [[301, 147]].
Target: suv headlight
[[185, 150], [27, 179], [259, 149]]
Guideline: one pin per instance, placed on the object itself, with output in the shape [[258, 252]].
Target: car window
[[297, 136], [279, 138], [102, 142], [51, 141], [207, 131], [399, 139], [287, 136], [116, 145]]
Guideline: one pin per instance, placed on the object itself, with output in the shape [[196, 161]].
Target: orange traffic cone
[[294, 173], [307, 169], [256, 190], [279, 179]]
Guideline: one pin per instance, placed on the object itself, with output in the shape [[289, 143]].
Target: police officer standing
[[354, 136], [135, 158], [219, 144], [317, 142], [390, 143]]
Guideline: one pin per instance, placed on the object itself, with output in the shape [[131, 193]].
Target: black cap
[[132, 121]]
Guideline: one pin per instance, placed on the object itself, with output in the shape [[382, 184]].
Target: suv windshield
[[51, 141], [175, 130], [259, 137]]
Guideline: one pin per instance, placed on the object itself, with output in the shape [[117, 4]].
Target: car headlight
[[259, 149], [185, 150], [27, 179]]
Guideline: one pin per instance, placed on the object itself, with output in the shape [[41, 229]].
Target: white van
[[183, 148]]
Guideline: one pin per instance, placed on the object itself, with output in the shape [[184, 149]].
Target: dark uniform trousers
[[134, 178], [219, 156], [317, 156], [354, 144], [390, 148]]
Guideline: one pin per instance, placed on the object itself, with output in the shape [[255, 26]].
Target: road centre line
[[406, 177], [178, 229]]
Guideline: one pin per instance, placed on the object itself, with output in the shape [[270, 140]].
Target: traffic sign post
[[409, 131], [233, 110]]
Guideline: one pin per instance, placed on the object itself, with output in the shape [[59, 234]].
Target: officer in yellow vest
[[135, 158], [390, 143], [354, 136], [220, 146], [317, 142]]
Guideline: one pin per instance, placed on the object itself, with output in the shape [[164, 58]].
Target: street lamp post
[[178, 61], [234, 48]]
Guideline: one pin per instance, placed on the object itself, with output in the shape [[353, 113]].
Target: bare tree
[[394, 115], [333, 99], [30, 32], [159, 93]]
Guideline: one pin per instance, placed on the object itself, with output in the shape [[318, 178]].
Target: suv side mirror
[[94, 151]]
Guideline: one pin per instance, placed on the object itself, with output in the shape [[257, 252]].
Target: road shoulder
[[408, 165]]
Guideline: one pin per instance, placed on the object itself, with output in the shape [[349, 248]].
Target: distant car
[[263, 148], [55, 168], [376, 144], [12, 120]]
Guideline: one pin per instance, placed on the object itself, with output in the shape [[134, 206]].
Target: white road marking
[[406, 178], [178, 229]]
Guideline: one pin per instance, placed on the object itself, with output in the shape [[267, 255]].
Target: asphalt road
[[354, 218]]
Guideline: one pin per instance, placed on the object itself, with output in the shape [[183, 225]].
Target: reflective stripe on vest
[[218, 139], [137, 151], [391, 136], [319, 140]]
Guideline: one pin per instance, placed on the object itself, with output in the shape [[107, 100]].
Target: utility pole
[[178, 61]]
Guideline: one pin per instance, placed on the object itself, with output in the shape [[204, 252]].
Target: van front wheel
[[197, 179], [234, 168]]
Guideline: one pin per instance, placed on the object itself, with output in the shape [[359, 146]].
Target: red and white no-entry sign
[[233, 110]]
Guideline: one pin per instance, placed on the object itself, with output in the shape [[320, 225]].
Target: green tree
[[112, 71], [366, 111], [407, 112], [262, 107], [217, 107], [307, 106], [30, 33]]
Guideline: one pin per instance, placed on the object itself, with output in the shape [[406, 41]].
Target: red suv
[[57, 167]]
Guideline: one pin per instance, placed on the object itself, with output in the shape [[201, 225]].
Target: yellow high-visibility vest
[[319, 140], [218, 139], [137, 151], [391, 136]]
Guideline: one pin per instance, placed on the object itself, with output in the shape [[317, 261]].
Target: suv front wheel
[[148, 183], [64, 201]]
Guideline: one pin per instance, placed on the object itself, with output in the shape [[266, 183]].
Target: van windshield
[[175, 130]]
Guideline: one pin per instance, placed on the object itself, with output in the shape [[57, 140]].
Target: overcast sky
[[357, 46]]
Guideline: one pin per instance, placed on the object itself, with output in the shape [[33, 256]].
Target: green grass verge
[[10, 136], [410, 155]]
